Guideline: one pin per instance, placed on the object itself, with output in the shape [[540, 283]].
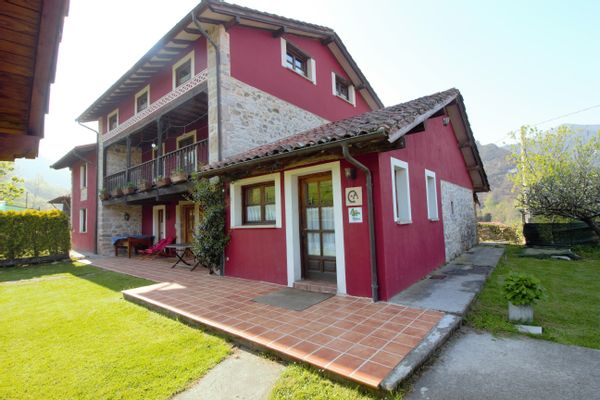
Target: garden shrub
[[32, 233], [498, 232]]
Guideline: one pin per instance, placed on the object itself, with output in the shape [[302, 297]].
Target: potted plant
[[129, 188], [163, 181], [145, 185], [116, 192], [104, 195], [522, 291], [178, 175]]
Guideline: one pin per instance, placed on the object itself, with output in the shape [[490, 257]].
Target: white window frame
[[407, 217], [144, 91], [236, 201], [83, 217], [183, 60], [351, 91], [185, 136], [114, 112], [432, 200], [155, 221], [83, 176], [311, 64]]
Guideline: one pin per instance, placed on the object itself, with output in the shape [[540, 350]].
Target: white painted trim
[[312, 70], [185, 136], [235, 201], [432, 216], [292, 218], [144, 91], [283, 53], [114, 112], [155, 221], [183, 60], [178, 222], [351, 91], [83, 173], [81, 212], [397, 165]]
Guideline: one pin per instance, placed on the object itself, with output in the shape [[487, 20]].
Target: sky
[[515, 62]]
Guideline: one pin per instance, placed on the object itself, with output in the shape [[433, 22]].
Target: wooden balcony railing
[[187, 159]]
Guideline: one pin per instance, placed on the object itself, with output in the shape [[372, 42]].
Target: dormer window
[[343, 89], [113, 120], [183, 70], [296, 60], [142, 99]]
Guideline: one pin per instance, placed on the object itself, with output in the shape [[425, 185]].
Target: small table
[[180, 251], [134, 242]]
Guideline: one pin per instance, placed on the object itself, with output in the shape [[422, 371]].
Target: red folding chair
[[158, 248]]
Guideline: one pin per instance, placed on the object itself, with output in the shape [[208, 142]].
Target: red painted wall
[[256, 60], [171, 218], [84, 241], [257, 253], [162, 82]]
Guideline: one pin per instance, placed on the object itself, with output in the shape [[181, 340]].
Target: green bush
[[522, 289], [33, 233], [498, 232]]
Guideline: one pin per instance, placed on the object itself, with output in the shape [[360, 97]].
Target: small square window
[[296, 60], [430, 185], [343, 89], [259, 204], [401, 192], [183, 70], [142, 99], [113, 120]]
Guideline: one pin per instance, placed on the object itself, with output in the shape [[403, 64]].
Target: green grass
[[570, 312], [305, 383], [67, 333]]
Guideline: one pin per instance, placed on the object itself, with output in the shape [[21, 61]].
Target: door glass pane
[[314, 244], [253, 213], [312, 198], [312, 218], [329, 244], [327, 218], [326, 193]]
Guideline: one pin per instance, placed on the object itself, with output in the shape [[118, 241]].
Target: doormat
[[292, 299]]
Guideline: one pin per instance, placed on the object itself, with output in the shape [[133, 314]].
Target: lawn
[[67, 333], [305, 383], [570, 313]]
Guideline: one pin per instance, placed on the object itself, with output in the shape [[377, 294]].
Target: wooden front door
[[188, 222], [317, 228]]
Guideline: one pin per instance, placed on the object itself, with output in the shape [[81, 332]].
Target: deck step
[[316, 286]]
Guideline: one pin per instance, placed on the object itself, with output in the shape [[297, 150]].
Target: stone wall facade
[[111, 222], [459, 219], [116, 158]]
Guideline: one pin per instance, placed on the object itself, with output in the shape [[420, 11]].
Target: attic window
[[113, 120], [142, 99], [343, 89], [183, 70], [296, 60]]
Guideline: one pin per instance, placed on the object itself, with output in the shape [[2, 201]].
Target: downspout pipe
[[98, 178], [218, 70], [371, 215]]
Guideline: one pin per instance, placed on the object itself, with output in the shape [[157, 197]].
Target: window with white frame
[[401, 192], [256, 202], [430, 187], [142, 99], [183, 70], [341, 88], [296, 60], [112, 121], [83, 220], [83, 175]]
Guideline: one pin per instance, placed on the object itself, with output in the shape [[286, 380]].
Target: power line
[[567, 115]]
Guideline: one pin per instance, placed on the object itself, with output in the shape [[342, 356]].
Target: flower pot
[[520, 313], [117, 193], [128, 191], [163, 182], [104, 196], [144, 186], [178, 177]]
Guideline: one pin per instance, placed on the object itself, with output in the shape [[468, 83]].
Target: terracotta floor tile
[[345, 364], [407, 340], [371, 373], [384, 334], [411, 330], [302, 349], [374, 342], [361, 351], [302, 333], [333, 331], [340, 345], [353, 336], [344, 324], [320, 338], [387, 359], [397, 348], [322, 357]]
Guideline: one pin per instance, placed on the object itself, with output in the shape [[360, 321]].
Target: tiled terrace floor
[[349, 336]]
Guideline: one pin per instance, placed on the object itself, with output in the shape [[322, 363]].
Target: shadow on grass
[[111, 280]]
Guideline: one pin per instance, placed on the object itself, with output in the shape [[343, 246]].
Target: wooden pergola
[[30, 31]]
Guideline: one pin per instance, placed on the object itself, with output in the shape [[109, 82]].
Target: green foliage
[[559, 175], [10, 187], [210, 237], [522, 289], [33, 233], [498, 232]]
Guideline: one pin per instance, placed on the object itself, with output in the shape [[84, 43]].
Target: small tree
[[210, 237], [558, 175], [10, 187]]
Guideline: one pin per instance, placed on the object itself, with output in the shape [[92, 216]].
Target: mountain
[[42, 183]]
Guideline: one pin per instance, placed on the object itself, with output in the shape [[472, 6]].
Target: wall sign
[[355, 215], [354, 196]]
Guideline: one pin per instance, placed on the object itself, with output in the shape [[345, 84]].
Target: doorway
[[159, 216], [317, 227], [188, 221]]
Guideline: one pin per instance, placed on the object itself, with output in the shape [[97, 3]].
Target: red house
[[326, 188]]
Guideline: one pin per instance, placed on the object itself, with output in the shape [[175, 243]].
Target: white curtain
[[314, 244], [329, 244], [270, 211], [253, 213]]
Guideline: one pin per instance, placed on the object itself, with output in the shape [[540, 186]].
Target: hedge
[[30, 233], [497, 232]]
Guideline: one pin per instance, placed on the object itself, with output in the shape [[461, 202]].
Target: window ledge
[[401, 222], [255, 226], [345, 99], [434, 219], [299, 74]]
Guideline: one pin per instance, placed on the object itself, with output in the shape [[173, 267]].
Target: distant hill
[[42, 183], [499, 202]]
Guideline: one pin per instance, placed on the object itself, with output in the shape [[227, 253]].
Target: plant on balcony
[[210, 237], [116, 192], [145, 185], [163, 181], [129, 188], [104, 194], [178, 175]]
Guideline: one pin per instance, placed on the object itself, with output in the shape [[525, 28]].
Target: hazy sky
[[515, 62]]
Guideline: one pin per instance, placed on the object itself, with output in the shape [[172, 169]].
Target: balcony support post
[[159, 154], [128, 145]]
